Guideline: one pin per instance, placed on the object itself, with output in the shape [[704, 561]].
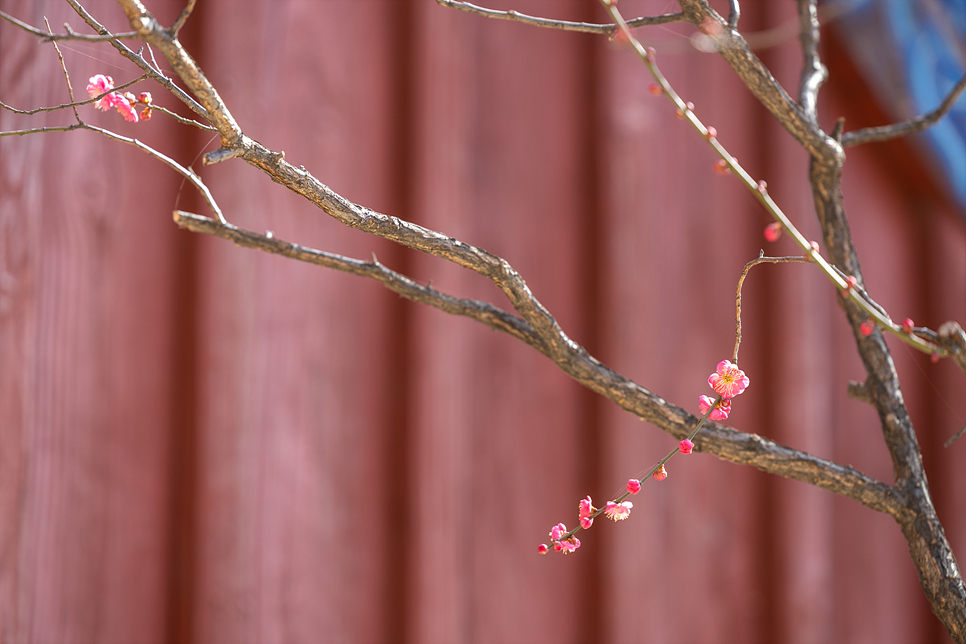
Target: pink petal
[[685, 446]]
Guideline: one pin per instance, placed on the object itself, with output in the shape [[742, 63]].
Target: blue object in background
[[913, 53]]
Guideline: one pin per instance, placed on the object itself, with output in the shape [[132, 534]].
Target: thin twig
[[814, 73], [179, 23], [564, 25], [905, 128], [734, 12], [954, 437], [182, 119], [186, 172], [41, 130], [63, 66], [76, 103], [70, 35], [761, 259]]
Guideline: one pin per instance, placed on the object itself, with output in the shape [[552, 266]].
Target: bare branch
[[41, 130], [763, 85], [905, 128], [564, 25], [179, 23], [734, 13], [761, 259], [46, 36], [483, 312], [952, 338], [954, 437], [723, 442], [187, 173], [814, 73]]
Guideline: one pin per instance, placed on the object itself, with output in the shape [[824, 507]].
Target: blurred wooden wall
[[204, 444]]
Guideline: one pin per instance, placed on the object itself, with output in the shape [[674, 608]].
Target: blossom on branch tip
[[618, 511], [660, 475], [633, 486], [728, 380], [773, 231], [558, 531], [686, 446], [720, 411]]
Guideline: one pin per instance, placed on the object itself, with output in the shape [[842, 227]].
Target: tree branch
[[814, 73], [723, 442], [179, 23], [70, 35], [564, 25], [905, 128], [482, 312], [137, 59], [763, 85]]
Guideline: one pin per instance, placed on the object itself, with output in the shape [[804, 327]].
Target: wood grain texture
[[363, 469]]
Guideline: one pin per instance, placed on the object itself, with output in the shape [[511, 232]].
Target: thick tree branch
[[928, 546], [564, 25], [905, 128]]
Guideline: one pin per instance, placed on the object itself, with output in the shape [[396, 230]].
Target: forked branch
[[905, 128]]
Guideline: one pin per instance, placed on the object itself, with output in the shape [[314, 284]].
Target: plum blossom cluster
[[728, 381], [124, 102]]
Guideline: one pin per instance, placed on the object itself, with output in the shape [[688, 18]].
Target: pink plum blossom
[[568, 546], [542, 548], [728, 380], [586, 522], [558, 531], [97, 85], [126, 109], [633, 486], [660, 475], [618, 511], [585, 508], [685, 446], [720, 411]]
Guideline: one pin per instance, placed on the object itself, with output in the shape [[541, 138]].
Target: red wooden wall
[[200, 443]]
